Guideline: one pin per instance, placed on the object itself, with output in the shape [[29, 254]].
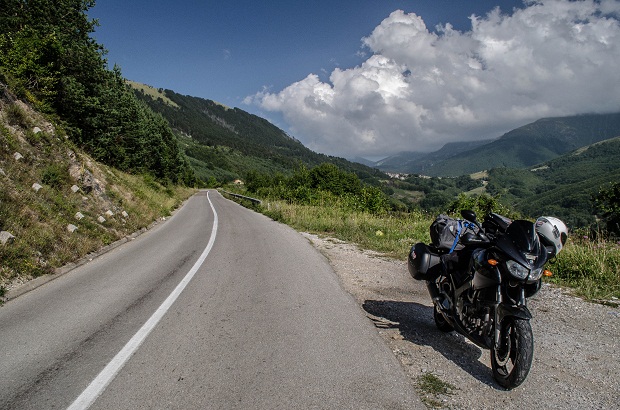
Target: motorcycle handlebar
[[472, 239]]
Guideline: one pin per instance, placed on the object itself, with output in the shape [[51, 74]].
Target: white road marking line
[[97, 386]]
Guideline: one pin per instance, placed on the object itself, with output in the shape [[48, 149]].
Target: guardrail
[[253, 200]]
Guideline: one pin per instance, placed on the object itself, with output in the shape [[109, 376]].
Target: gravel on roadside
[[576, 343]]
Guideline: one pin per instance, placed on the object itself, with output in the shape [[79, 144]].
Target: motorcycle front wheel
[[511, 362]]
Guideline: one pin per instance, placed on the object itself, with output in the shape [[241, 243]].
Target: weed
[[6, 135], [431, 389], [590, 267], [16, 116], [55, 175]]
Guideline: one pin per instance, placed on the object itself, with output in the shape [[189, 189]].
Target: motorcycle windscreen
[[521, 243]]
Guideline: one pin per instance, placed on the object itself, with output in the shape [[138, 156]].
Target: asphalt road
[[257, 320]]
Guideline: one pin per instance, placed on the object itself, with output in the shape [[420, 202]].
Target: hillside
[[563, 186], [422, 163], [57, 204], [226, 143], [523, 147]]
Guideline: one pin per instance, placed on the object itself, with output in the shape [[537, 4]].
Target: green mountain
[[422, 162], [562, 187], [523, 147], [225, 143]]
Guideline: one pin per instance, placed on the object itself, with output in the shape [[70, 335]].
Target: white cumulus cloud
[[421, 88]]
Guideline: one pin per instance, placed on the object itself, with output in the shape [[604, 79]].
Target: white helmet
[[553, 232]]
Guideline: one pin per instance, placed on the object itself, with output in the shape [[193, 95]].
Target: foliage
[[564, 187], [482, 205], [607, 203], [48, 57], [322, 185], [590, 266], [56, 175], [432, 388]]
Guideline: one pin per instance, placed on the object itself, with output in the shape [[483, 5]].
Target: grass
[[431, 389], [389, 234], [152, 92], [591, 268]]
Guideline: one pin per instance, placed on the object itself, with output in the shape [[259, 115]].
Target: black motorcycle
[[480, 288]]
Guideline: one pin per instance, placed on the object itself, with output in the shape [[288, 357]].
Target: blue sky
[[361, 77]]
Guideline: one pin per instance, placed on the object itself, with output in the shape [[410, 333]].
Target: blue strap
[[458, 236]]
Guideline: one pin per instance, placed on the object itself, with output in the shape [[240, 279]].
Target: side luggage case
[[424, 263]]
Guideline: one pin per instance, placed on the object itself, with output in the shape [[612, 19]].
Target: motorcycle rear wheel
[[512, 361], [441, 322]]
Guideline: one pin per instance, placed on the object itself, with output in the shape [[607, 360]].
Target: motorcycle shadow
[[416, 324]]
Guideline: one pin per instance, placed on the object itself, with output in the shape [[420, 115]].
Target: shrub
[[55, 175]]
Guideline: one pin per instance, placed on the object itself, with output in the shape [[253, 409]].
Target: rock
[[101, 219], [75, 188], [109, 213], [36, 130], [36, 187], [125, 214], [2, 172], [6, 237], [88, 182], [17, 156], [79, 216], [71, 228]]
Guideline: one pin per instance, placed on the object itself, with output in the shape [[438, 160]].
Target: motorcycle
[[480, 287]]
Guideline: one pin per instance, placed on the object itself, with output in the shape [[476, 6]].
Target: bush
[[55, 175], [482, 205], [607, 204], [16, 116]]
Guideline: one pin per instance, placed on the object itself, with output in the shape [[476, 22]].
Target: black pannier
[[446, 232], [423, 263]]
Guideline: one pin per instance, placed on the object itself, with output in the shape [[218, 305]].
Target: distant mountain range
[[523, 147]]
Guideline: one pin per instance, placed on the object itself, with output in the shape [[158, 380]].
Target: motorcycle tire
[[512, 361], [441, 322]]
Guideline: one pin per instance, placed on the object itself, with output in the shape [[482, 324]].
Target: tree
[[48, 56], [607, 204]]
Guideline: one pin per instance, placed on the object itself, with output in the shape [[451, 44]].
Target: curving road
[[218, 308]]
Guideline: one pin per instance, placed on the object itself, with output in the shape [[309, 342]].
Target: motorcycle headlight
[[536, 274], [517, 270]]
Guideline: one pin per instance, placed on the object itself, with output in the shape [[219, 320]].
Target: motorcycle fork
[[497, 319], [520, 311]]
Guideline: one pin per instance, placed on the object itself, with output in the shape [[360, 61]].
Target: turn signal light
[[492, 262], [547, 273]]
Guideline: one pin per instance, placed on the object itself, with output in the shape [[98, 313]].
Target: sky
[[371, 78]]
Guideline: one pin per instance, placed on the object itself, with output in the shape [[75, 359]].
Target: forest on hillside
[[48, 58], [224, 144]]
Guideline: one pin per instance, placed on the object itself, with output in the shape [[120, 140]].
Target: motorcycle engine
[[473, 316]]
